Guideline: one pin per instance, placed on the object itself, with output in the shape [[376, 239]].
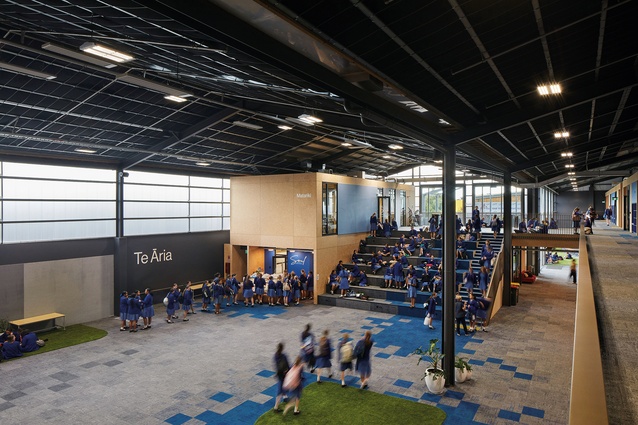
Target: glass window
[[60, 230], [155, 209], [154, 226], [329, 209]]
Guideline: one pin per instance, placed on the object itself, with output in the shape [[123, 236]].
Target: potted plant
[[468, 371], [460, 369], [434, 376]]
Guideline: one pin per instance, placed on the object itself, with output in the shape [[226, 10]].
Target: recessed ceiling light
[[346, 144], [106, 52], [26, 71], [177, 99], [569, 165], [284, 127], [571, 173], [561, 134], [572, 179], [387, 156], [566, 154], [83, 150], [247, 125], [395, 147]]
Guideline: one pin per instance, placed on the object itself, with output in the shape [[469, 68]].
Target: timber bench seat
[[41, 318]]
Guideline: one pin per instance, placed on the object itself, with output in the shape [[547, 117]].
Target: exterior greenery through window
[[329, 208]]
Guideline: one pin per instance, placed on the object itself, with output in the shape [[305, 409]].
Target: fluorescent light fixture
[[546, 90], [284, 127], [397, 147], [572, 179], [106, 52], [152, 85], [569, 165], [26, 71], [84, 150], [300, 122], [571, 173], [443, 122], [439, 161], [247, 125], [77, 55], [386, 157], [203, 164], [177, 99], [566, 154], [310, 119], [483, 176], [346, 144], [561, 134]]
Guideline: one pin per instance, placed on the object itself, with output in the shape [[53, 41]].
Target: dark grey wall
[[33, 252], [567, 201], [355, 205], [12, 291]]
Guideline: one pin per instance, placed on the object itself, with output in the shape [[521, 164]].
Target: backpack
[[324, 348], [576, 217], [286, 286], [346, 352], [205, 292], [308, 345], [359, 349], [292, 379]]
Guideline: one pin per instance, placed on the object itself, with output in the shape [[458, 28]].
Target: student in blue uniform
[[123, 310], [460, 247], [188, 301], [483, 278], [229, 290], [472, 307], [345, 352], [281, 366], [394, 226], [522, 227], [172, 300], [324, 354], [286, 289], [412, 285], [311, 286], [344, 285], [495, 225], [397, 274], [308, 347], [218, 294], [433, 225], [468, 280], [363, 361], [387, 277], [477, 227], [248, 292], [374, 224], [333, 281], [487, 257], [294, 392], [387, 228], [29, 341], [272, 291], [279, 290], [459, 315], [375, 261], [206, 293], [147, 309], [363, 279], [386, 251], [607, 215], [296, 289], [235, 285], [134, 310], [11, 348], [431, 310], [260, 283]]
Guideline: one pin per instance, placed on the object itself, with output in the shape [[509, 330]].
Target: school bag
[[292, 379], [324, 348], [286, 286], [346, 351], [359, 349], [308, 346]]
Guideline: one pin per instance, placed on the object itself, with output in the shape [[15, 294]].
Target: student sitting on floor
[[11, 348], [29, 342], [5, 336]]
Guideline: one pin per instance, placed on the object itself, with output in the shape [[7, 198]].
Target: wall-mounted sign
[[298, 260], [304, 195], [154, 257]]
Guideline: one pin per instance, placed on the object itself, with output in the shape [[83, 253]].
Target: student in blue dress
[[345, 351], [206, 294], [29, 341], [229, 290], [235, 285], [387, 228], [272, 291], [386, 251], [147, 309], [397, 274], [123, 310], [248, 292], [344, 285], [412, 285], [287, 287], [460, 247], [522, 227], [495, 225], [459, 315], [487, 257], [478, 227], [374, 224], [134, 310], [324, 354], [553, 224], [188, 301], [281, 366], [431, 309], [333, 282], [394, 225], [363, 360], [363, 279], [439, 230], [172, 303], [607, 215], [296, 289], [308, 347], [295, 385], [311, 286], [303, 279], [11, 348], [472, 307], [433, 225], [260, 283], [218, 294], [375, 261], [279, 290], [468, 281], [387, 277], [483, 278]]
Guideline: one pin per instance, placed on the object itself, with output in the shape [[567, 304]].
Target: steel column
[[449, 262]]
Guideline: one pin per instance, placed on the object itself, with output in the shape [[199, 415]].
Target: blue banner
[[298, 260]]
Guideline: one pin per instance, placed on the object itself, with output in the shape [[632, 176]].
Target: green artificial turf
[[328, 403], [73, 335]]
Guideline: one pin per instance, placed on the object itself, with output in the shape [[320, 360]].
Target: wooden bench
[[42, 318]]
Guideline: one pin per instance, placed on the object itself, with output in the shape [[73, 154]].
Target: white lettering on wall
[[303, 195], [294, 260], [155, 257]]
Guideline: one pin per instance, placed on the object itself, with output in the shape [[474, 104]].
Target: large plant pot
[[437, 385], [460, 375]]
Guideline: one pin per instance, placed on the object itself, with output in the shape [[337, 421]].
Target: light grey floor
[[217, 369]]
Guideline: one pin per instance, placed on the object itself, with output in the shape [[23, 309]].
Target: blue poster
[[298, 260]]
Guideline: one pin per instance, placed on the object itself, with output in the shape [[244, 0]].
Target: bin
[[513, 295]]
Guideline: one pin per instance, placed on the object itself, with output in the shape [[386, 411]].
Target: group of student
[[317, 357], [288, 289], [14, 343], [132, 307]]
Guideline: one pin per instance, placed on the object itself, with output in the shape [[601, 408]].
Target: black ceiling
[[420, 74]]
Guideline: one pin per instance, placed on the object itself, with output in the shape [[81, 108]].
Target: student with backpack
[[293, 383], [206, 293], [308, 348], [323, 356], [346, 354], [281, 366], [362, 352]]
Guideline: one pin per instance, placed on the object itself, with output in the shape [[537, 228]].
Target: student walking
[[308, 347], [281, 366], [459, 315], [147, 309], [248, 292], [363, 358], [323, 356], [608, 214], [293, 383], [412, 285], [171, 299], [346, 354], [431, 309]]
